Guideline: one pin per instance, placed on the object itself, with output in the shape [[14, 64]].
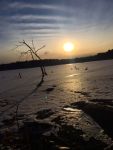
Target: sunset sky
[[88, 24]]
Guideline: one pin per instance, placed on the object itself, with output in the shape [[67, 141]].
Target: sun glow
[[68, 47]]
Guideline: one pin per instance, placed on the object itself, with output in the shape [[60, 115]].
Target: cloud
[[23, 5], [34, 17]]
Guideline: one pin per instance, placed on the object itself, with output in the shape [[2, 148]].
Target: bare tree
[[34, 53]]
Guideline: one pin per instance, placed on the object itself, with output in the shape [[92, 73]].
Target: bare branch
[[33, 45], [40, 48], [17, 46], [32, 55]]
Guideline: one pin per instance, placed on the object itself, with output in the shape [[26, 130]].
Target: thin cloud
[[34, 17], [40, 33], [23, 5], [35, 25], [32, 27]]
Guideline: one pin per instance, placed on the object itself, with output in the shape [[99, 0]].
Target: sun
[[68, 47]]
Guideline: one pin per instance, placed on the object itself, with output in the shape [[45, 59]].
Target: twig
[[33, 45], [39, 48]]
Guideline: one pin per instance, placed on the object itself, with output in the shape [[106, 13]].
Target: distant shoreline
[[53, 62]]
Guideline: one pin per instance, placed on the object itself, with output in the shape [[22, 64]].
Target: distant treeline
[[51, 62]]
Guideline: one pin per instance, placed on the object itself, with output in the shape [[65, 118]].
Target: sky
[[88, 24]]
